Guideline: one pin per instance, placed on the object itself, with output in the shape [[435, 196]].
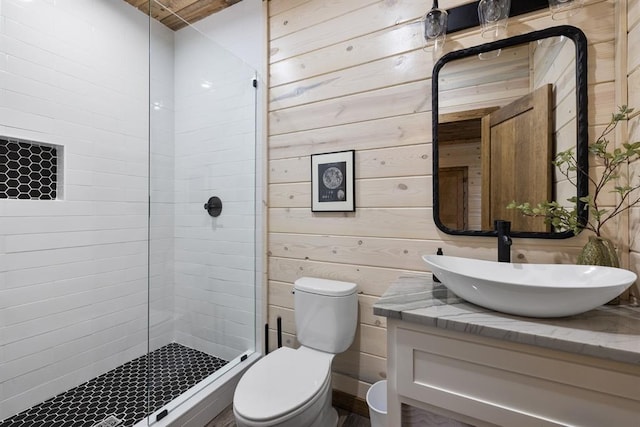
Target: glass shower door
[[202, 281]]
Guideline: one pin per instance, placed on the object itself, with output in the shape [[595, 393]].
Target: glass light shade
[[562, 9], [493, 16], [435, 27]]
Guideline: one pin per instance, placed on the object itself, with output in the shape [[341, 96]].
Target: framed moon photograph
[[333, 182]]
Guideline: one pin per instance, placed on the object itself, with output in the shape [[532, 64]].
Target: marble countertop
[[608, 332]]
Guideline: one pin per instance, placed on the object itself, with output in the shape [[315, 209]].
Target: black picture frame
[[333, 182]]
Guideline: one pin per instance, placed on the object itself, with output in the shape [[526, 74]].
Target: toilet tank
[[326, 313]]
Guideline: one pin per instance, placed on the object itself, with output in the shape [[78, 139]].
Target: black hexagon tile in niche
[[29, 171], [122, 392]]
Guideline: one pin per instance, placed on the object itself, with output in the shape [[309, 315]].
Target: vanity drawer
[[487, 380]]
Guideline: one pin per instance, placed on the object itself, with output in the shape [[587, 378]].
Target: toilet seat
[[282, 384]]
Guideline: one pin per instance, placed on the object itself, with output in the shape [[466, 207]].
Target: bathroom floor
[[121, 394], [346, 419]]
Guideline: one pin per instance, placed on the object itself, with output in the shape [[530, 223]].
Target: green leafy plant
[[566, 218]]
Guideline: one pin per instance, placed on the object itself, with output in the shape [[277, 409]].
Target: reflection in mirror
[[498, 124]]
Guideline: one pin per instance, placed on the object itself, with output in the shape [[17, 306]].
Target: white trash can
[[377, 402]]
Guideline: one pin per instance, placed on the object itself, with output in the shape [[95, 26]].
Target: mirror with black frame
[[501, 112]]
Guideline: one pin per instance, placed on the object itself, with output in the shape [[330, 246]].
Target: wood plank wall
[[353, 75], [633, 93]]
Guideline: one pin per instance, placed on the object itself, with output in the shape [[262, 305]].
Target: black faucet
[[503, 228]]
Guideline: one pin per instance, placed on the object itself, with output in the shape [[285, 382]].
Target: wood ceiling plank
[[142, 5], [189, 10], [195, 12], [137, 3], [165, 8]]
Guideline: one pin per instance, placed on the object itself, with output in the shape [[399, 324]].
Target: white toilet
[[292, 388]]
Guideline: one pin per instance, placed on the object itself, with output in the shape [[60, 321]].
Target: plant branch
[[563, 218]]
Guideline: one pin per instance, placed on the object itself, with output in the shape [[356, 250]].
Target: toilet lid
[[330, 288], [281, 382]]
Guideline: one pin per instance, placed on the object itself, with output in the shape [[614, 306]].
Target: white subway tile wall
[[215, 156], [73, 272], [162, 216]]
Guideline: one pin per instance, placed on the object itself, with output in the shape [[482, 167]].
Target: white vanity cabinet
[[484, 381], [485, 368]]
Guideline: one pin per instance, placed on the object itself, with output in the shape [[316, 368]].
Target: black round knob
[[213, 206]]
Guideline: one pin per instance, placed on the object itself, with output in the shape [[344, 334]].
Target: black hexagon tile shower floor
[[121, 394]]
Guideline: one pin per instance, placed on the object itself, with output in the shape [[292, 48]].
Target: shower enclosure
[[122, 300]]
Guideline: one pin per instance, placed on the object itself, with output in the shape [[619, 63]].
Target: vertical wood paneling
[[634, 96], [603, 55], [633, 126], [634, 40], [633, 13], [356, 77]]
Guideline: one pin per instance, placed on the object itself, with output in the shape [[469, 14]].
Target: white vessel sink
[[534, 290]]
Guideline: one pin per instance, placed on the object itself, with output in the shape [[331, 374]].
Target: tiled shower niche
[[28, 170]]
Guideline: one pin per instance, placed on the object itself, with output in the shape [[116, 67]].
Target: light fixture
[[435, 27], [493, 16], [562, 9]]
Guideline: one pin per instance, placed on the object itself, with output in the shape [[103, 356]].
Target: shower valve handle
[[213, 206]]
